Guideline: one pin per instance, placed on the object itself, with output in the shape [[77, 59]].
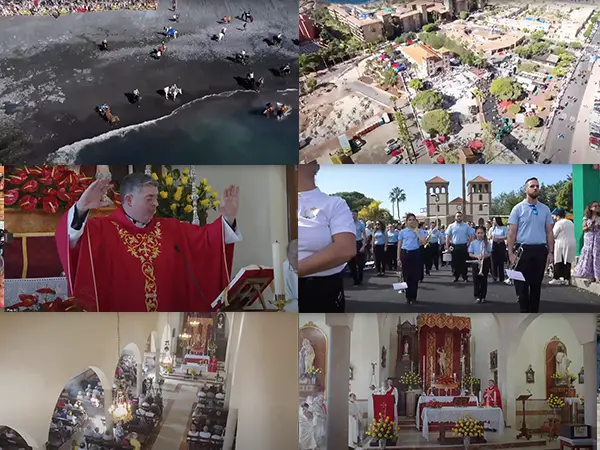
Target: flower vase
[[466, 442], [313, 379], [382, 443]]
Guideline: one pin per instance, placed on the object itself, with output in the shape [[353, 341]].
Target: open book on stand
[[244, 289]]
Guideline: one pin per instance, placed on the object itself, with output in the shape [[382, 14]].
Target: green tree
[[437, 122], [538, 35], [374, 211], [564, 199], [311, 83], [427, 100], [389, 77], [532, 122], [506, 89], [575, 45], [397, 196], [464, 15], [416, 84], [355, 200], [430, 27], [514, 109]]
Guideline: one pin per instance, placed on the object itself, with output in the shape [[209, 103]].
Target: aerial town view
[[120, 81], [450, 81]]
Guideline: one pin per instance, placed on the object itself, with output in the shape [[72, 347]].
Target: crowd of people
[[536, 241], [53, 7], [209, 418]]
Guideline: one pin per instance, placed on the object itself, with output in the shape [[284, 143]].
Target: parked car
[[392, 145]]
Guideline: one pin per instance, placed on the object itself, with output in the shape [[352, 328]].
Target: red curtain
[[45, 263]]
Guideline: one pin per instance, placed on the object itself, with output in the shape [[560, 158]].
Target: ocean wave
[[67, 154]]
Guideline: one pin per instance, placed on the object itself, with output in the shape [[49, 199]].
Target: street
[[559, 150], [438, 293]]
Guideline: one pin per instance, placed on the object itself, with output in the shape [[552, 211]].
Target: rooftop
[[420, 52], [479, 179], [345, 13], [456, 200], [437, 180]]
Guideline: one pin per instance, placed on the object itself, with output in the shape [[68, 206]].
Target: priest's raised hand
[[132, 261]]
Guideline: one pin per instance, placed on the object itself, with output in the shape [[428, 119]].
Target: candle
[[277, 270]]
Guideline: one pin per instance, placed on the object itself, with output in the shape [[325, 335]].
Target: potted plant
[[383, 431], [556, 404], [411, 379], [193, 373], [175, 196], [468, 428]]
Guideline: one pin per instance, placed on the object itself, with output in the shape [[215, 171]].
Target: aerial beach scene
[[84, 82]]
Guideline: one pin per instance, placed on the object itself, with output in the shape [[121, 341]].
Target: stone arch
[[133, 348], [29, 440]]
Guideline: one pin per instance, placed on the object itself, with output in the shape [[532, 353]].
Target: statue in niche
[[562, 362], [406, 348], [306, 358], [442, 361], [220, 328]]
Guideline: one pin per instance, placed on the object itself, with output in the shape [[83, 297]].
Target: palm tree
[[397, 196]]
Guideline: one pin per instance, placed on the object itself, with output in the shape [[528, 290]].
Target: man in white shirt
[[357, 263], [326, 242]]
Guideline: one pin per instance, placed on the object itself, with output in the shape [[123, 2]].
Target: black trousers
[[357, 263], [321, 294], [432, 257], [460, 255], [498, 260], [562, 270], [480, 282], [392, 257], [379, 253], [532, 265], [412, 269]]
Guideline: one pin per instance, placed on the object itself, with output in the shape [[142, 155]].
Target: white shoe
[[555, 282]]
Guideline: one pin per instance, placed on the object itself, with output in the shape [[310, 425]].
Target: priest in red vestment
[[132, 261], [213, 365], [491, 396]]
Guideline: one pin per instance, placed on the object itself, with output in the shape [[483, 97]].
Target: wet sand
[[52, 75]]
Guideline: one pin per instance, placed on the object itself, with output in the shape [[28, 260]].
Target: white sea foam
[[68, 154]]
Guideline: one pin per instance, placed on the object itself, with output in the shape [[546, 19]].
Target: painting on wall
[[312, 360], [494, 360], [530, 375]]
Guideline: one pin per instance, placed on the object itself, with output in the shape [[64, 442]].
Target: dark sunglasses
[[534, 209]]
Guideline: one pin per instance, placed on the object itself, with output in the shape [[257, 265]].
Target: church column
[[140, 379], [108, 400], [157, 358], [233, 345], [337, 374], [590, 371], [504, 384], [265, 385]]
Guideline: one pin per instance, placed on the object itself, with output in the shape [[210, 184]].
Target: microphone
[[191, 273]]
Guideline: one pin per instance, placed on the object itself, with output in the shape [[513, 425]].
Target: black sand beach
[[52, 76]]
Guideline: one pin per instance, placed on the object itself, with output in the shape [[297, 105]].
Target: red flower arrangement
[[436, 404], [445, 380], [45, 299], [51, 188]]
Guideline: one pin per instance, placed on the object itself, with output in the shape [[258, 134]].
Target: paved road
[[559, 150], [438, 293]]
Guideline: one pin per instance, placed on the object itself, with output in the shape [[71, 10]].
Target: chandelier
[[185, 336], [121, 411], [194, 322]]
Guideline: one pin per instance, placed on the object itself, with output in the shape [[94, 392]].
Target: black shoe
[[466, 280], [455, 280], [427, 273]]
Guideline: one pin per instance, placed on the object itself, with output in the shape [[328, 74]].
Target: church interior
[[152, 381], [266, 216], [439, 380]]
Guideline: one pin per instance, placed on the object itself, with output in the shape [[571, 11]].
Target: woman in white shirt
[[565, 247], [326, 242], [498, 235]]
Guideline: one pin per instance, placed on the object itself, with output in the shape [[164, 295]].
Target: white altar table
[[450, 414], [442, 399], [14, 287], [203, 360]]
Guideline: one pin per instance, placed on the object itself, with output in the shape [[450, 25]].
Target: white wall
[[262, 217], [484, 339], [365, 348]]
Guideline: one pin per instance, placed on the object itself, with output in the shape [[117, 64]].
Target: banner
[[383, 404]]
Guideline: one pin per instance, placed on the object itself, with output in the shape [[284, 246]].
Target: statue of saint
[[406, 349], [306, 357], [442, 361], [562, 362]]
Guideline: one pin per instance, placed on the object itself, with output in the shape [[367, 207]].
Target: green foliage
[[514, 109], [311, 83], [355, 200], [428, 28], [405, 37], [506, 89], [396, 197], [528, 67], [389, 77], [437, 122], [403, 132], [427, 100], [532, 122], [538, 35], [416, 84], [560, 71], [575, 45], [464, 15], [564, 199]]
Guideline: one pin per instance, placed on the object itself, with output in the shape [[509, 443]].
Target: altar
[[491, 417], [424, 399], [202, 360]]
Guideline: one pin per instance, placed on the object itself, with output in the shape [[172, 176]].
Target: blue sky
[[376, 181]]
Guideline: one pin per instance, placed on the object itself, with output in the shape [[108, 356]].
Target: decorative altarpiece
[[554, 386], [318, 339], [407, 361], [437, 331]]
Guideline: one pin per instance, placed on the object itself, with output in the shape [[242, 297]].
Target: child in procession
[[479, 249]]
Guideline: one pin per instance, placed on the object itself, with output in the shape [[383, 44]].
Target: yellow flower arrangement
[[411, 379], [555, 402], [468, 426], [314, 371], [383, 428], [175, 195]]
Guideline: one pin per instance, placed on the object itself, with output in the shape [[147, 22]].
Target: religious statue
[[491, 396], [306, 357], [562, 362], [406, 349], [383, 356], [442, 361]]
